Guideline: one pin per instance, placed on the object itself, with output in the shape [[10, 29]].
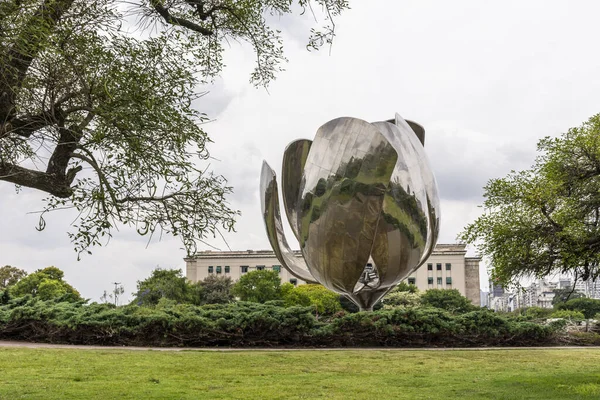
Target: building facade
[[446, 268]]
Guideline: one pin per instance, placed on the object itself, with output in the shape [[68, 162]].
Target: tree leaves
[[546, 219], [101, 116]]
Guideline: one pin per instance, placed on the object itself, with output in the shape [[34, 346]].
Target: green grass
[[122, 374]]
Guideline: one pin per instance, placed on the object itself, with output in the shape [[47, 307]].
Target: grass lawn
[[122, 374]]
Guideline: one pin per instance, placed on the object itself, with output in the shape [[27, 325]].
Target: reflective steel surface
[[362, 202]]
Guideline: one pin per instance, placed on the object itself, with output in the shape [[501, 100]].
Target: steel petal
[[270, 209], [294, 159], [347, 173]]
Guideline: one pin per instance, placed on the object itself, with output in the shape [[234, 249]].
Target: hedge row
[[251, 324]]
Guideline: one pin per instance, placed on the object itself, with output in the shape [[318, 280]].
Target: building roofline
[[442, 248]]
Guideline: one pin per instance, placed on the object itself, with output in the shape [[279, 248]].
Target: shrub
[[568, 314], [538, 312], [253, 324], [589, 307], [450, 300], [318, 297], [401, 299]]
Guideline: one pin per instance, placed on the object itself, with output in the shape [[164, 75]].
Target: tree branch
[[164, 12], [43, 181]]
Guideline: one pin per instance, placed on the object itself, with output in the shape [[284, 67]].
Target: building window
[[448, 266], [244, 269], [439, 280], [210, 269], [260, 267], [438, 266], [227, 269], [430, 280], [277, 268], [448, 280], [294, 281], [219, 269], [429, 267], [412, 281]]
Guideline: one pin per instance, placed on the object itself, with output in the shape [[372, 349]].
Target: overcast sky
[[487, 80]]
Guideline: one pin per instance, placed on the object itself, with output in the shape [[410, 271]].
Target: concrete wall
[[472, 290]]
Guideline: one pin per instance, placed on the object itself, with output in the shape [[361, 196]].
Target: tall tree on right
[[545, 219]]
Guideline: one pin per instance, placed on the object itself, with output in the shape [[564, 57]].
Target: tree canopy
[[545, 219], [164, 283], [45, 284], [10, 275], [96, 105], [564, 295], [258, 286]]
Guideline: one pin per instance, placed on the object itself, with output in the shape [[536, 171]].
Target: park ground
[[69, 373]]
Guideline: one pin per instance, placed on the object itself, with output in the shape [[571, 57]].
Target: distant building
[[446, 268], [538, 294], [484, 299], [589, 288]]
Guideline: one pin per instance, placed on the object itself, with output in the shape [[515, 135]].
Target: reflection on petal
[[270, 209], [342, 202], [294, 159]]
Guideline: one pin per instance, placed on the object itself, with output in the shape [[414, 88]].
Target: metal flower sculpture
[[363, 203]]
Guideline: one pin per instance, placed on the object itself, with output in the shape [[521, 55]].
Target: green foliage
[[450, 300], [405, 287], [10, 275], [215, 289], [4, 297], [258, 286], [545, 219], [318, 297], [118, 103], [253, 324], [164, 283], [589, 307], [46, 284], [538, 312], [563, 295], [568, 314], [401, 299]]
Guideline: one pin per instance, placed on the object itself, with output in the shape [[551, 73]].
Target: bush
[[538, 312], [252, 324], [318, 297], [401, 299], [568, 314], [589, 307], [449, 300]]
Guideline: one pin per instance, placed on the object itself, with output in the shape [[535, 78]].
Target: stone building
[[446, 268]]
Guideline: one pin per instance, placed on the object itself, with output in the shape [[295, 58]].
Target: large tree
[[96, 105], [10, 276], [546, 219], [164, 283], [45, 284]]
